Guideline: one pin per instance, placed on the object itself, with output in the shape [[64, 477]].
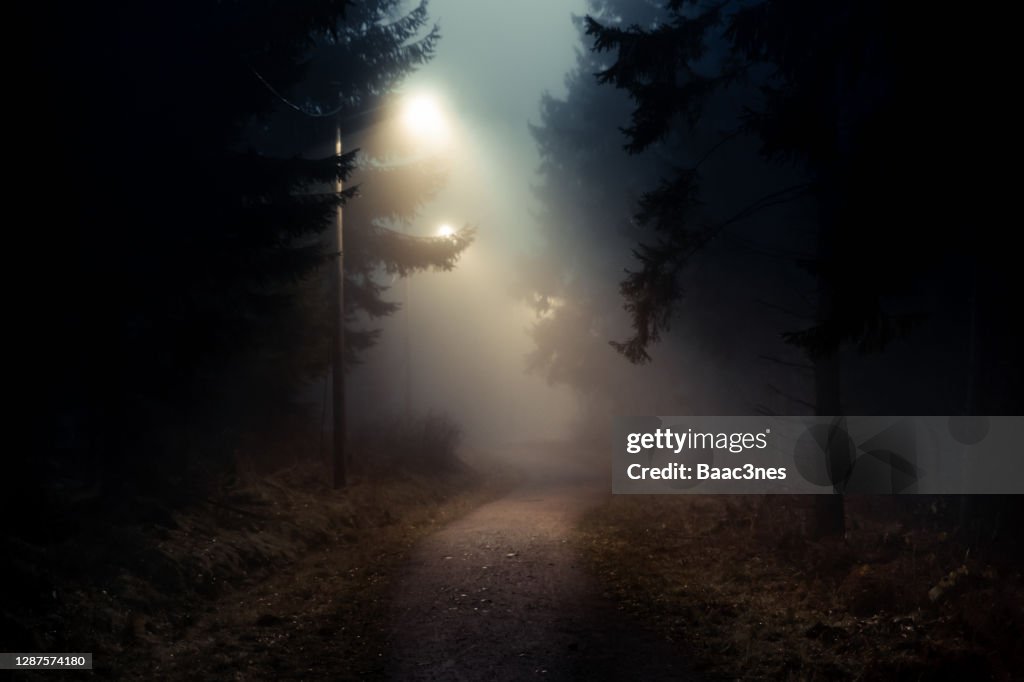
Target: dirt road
[[500, 595]]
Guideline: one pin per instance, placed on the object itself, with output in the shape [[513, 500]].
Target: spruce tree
[[189, 243], [843, 92]]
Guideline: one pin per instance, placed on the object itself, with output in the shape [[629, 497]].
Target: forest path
[[501, 595]]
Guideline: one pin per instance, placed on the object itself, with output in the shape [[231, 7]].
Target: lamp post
[[338, 347], [423, 117]]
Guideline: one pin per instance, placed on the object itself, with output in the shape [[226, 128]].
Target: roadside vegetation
[[732, 580], [249, 576]]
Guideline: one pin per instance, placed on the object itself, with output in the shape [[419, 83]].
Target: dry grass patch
[[734, 581]]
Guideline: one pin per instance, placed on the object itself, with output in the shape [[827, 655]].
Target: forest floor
[[274, 578], [733, 581], [543, 575], [442, 578]]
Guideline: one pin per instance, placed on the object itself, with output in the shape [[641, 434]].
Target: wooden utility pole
[[338, 351]]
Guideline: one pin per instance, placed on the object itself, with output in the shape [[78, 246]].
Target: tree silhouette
[[191, 234], [587, 191], [835, 91]]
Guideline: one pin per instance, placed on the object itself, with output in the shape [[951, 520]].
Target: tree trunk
[[829, 514], [828, 518], [967, 502]]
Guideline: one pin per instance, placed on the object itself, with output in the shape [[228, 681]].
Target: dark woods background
[[744, 206], [180, 185], [799, 206], [810, 200], [807, 180]]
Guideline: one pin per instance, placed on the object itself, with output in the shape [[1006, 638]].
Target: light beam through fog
[[462, 336]]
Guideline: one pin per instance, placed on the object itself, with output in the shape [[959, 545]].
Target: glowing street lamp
[[423, 117]]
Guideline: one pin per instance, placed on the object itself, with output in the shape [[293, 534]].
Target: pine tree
[[189, 243], [838, 91], [586, 193]]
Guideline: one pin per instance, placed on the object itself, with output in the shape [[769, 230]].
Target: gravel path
[[500, 595]]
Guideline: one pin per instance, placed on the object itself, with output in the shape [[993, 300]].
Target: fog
[[321, 389], [556, 211], [467, 343], [461, 340]]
